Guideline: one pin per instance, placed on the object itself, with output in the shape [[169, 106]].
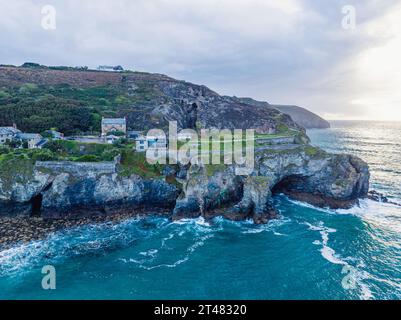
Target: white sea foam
[[331, 255], [307, 205], [173, 265], [271, 226], [151, 259], [150, 253], [381, 215]]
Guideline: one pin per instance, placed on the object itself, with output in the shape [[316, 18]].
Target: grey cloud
[[280, 51]]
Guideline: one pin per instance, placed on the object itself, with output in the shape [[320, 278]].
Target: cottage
[[110, 125], [110, 68], [33, 140]]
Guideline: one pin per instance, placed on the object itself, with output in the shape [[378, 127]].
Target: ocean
[[308, 253]]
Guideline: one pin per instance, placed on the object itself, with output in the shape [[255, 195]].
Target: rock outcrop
[[80, 189], [305, 173], [301, 116]]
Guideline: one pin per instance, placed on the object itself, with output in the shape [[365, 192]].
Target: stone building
[[110, 125], [8, 134], [33, 140]]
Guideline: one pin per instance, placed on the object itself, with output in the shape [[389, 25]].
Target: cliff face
[[305, 173], [303, 117], [80, 189]]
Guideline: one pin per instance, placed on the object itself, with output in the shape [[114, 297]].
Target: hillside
[[74, 100], [301, 116], [304, 117]]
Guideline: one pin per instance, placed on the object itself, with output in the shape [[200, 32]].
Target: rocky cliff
[[151, 101], [305, 173], [79, 189]]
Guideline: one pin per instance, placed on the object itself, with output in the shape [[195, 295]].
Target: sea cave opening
[[36, 205], [290, 184], [36, 202]]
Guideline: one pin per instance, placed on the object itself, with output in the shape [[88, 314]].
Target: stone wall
[[78, 168], [275, 141]]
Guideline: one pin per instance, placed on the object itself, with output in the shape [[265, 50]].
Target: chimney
[[14, 125]]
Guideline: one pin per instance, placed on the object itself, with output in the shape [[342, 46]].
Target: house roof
[[53, 131], [120, 121], [29, 136], [42, 142], [9, 130]]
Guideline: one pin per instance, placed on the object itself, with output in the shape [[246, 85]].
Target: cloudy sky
[[284, 52]]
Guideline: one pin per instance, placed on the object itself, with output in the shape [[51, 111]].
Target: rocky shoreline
[[22, 230]]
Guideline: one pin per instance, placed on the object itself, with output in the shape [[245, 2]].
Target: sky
[[300, 52]]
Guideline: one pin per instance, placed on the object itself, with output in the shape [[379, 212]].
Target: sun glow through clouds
[[378, 70]]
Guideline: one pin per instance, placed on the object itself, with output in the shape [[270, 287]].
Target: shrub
[[4, 150], [110, 154], [116, 133], [43, 155], [88, 158]]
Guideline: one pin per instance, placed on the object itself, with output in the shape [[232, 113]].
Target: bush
[[43, 155], [109, 155], [116, 133], [39, 115], [135, 163], [3, 94], [121, 100], [28, 88], [88, 158], [4, 150], [65, 147]]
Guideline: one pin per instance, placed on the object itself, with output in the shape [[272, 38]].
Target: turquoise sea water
[[307, 254]]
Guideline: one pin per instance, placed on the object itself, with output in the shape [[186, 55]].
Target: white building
[[111, 68], [149, 142], [7, 134], [110, 139]]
